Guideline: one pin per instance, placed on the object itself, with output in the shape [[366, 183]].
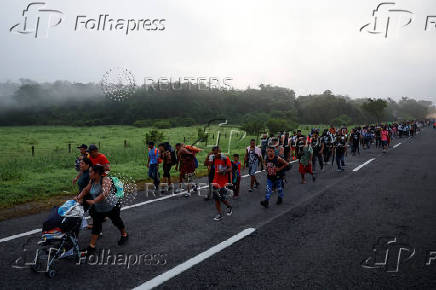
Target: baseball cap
[[83, 146], [92, 147]]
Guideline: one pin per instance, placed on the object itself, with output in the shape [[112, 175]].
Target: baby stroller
[[59, 238]]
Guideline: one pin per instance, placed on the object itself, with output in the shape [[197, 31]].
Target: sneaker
[[250, 189], [187, 195], [218, 217], [264, 203], [123, 240], [279, 200], [229, 211]]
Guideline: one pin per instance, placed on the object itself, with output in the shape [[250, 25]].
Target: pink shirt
[[384, 135]]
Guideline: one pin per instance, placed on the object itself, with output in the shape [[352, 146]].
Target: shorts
[[166, 170], [220, 193], [187, 177], [303, 169], [384, 143], [252, 168]]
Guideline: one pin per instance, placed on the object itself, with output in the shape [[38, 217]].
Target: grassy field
[[49, 172]]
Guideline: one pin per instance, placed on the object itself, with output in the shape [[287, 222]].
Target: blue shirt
[[153, 155]]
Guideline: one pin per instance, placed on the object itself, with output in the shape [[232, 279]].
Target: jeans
[[340, 159], [153, 173], [270, 184]]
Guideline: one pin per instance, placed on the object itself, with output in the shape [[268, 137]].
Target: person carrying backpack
[[167, 155], [252, 157], [100, 187], [186, 164], [153, 164]]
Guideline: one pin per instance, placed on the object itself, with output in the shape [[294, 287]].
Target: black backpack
[[173, 156]]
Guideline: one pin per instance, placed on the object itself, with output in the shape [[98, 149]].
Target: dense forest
[[65, 103]]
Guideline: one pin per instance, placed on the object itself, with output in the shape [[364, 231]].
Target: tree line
[[65, 103]]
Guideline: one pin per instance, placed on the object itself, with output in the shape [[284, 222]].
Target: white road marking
[[13, 237], [35, 231], [158, 199], [397, 145], [362, 165], [158, 280]]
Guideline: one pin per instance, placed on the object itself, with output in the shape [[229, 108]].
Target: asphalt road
[[323, 236]]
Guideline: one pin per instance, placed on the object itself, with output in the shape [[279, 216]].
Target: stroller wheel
[[41, 260], [51, 273]]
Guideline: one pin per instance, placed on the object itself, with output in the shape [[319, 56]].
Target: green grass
[[25, 178]]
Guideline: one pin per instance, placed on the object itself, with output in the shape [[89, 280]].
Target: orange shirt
[[100, 159], [220, 180]]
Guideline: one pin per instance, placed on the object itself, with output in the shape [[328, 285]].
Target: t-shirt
[[83, 180], [305, 157], [153, 155], [263, 144], [317, 144], [384, 135], [236, 170], [221, 164], [355, 137], [272, 166], [166, 158], [100, 159], [253, 155], [299, 148], [340, 144]]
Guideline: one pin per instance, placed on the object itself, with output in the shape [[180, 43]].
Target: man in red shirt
[[98, 158], [222, 177]]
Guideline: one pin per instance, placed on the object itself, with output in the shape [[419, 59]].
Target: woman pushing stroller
[[99, 188]]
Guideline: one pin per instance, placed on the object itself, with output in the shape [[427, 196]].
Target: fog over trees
[[78, 104]]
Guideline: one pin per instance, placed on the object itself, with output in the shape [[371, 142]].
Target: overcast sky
[[309, 45]]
